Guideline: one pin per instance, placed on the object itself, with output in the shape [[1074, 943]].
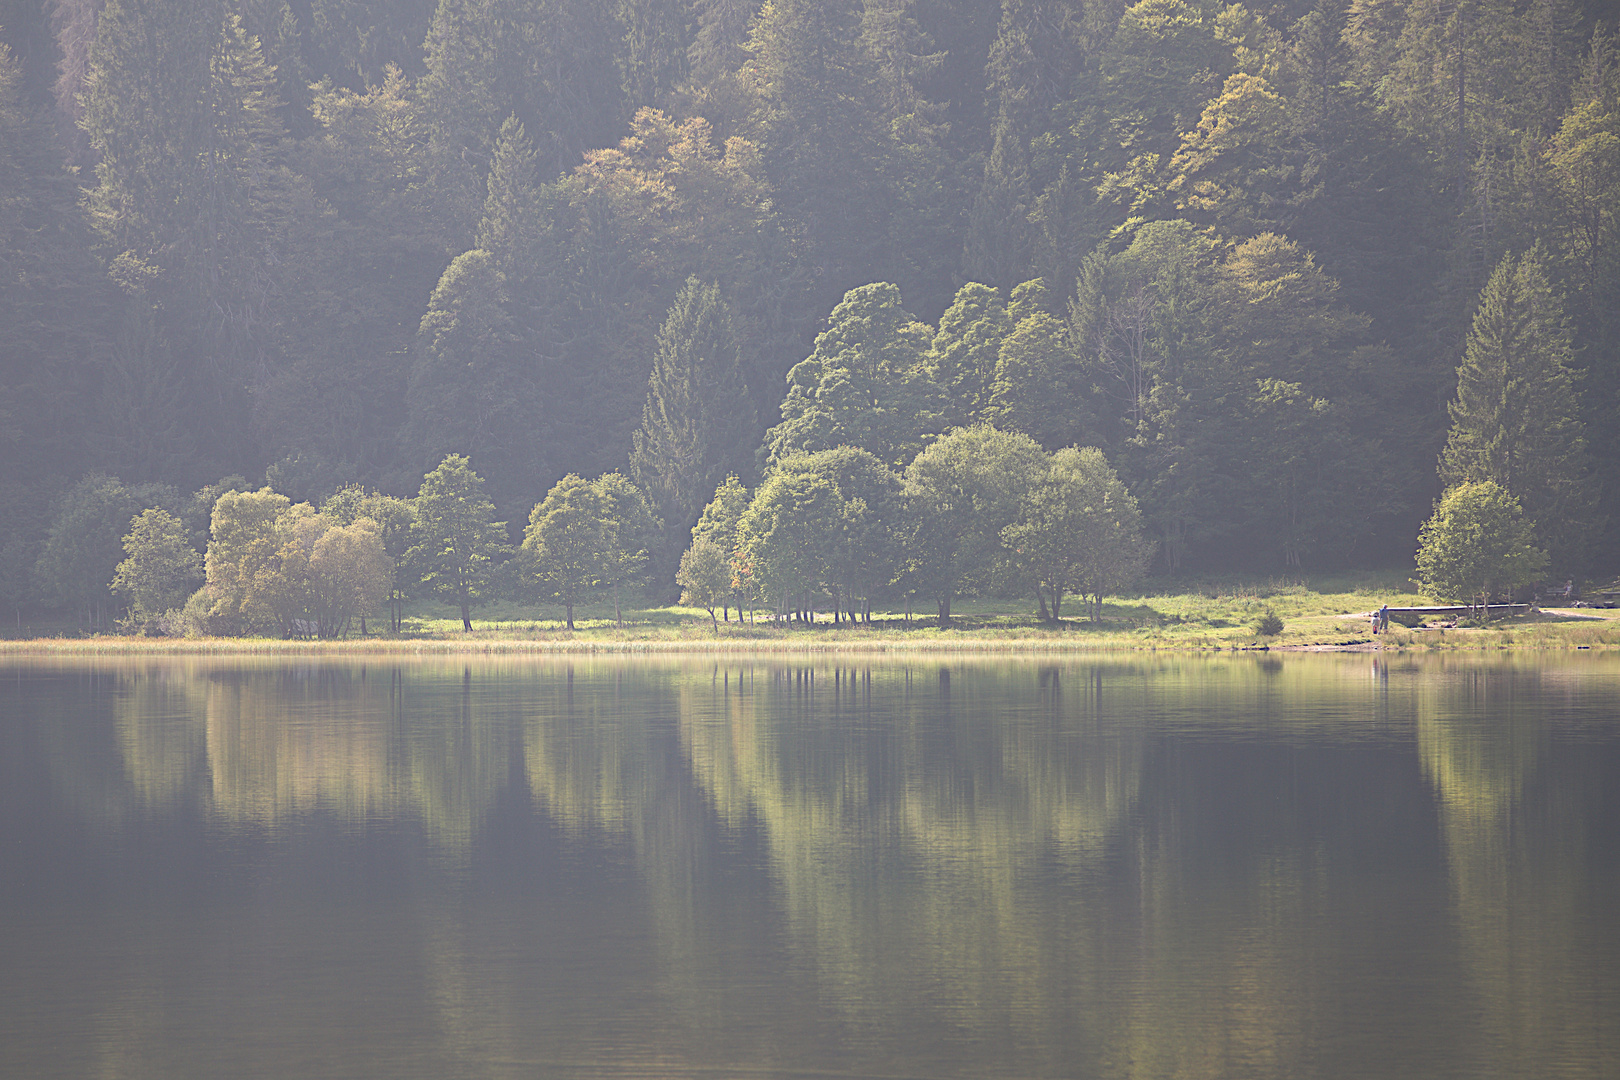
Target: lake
[[1091, 866]]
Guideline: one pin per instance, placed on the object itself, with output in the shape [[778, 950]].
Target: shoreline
[[117, 646]]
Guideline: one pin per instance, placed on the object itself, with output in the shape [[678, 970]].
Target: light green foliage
[[457, 541], [826, 519], [960, 493], [782, 539], [161, 569], [698, 422], [1078, 531], [1477, 545], [718, 525], [568, 542], [313, 576], [351, 573], [1515, 419], [705, 576], [243, 543], [1237, 170], [866, 384], [719, 519], [84, 543], [633, 531]]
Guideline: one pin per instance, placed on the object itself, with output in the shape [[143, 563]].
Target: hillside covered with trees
[[1281, 273]]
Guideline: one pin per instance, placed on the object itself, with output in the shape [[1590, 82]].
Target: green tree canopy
[[1515, 420], [458, 542], [826, 519], [161, 568], [84, 543], [569, 542], [1477, 544], [698, 423], [962, 357], [705, 576], [960, 494], [243, 542], [1078, 531], [866, 384]]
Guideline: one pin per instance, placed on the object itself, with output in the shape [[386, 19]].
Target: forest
[[1283, 273]]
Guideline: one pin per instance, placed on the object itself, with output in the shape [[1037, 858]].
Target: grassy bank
[[1319, 614]]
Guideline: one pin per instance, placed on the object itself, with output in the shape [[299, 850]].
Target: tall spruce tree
[[698, 424], [1515, 420]]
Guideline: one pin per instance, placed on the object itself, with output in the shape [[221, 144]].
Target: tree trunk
[[1040, 595], [466, 613], [570, 606], [618, 618], [1057, 602], [945, 608]]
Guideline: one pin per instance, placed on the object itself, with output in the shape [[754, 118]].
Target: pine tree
[[191, 202], [718, 47], [1515, 420], [474, 387], [698, 424]]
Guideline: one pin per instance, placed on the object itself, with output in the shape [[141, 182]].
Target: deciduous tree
[[458, 540], [161, 569], [1477, 544]]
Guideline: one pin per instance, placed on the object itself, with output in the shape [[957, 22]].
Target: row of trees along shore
[[1249, 254], [980, 512]]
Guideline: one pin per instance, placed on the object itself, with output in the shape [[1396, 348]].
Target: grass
[[1215, 614]]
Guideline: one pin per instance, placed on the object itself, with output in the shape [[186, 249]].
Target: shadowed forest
[[1291, 268]]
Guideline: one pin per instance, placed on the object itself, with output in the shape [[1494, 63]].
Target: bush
[[1269, 625]]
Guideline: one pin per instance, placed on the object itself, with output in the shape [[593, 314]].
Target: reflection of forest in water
[[1166, 867]]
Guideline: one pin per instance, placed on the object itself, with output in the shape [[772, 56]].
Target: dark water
[[1127, 867]]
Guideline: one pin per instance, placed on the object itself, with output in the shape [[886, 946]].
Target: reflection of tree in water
[[265, 745], [917, 819], [1516, 842]]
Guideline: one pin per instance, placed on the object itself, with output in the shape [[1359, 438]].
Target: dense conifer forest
[[1290, 269]]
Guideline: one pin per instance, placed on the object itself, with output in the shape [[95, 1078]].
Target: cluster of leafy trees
[[1239, 250], [979, 512]]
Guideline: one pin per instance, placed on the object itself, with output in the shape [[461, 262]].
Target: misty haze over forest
[[1242, 251]]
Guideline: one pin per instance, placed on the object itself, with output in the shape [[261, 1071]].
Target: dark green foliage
[[960, 494], [1270, 625], [1515, 420], [698, 423], [85, 542]]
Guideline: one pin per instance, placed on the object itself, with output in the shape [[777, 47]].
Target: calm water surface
[[1313, 866]]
